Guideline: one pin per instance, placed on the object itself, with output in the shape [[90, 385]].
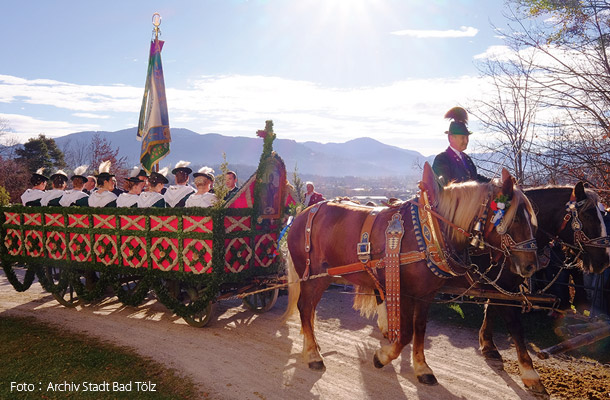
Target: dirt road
[[241, 355]]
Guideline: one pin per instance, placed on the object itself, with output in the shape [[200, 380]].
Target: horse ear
[[507, 183], [430, 184], [579, 191]]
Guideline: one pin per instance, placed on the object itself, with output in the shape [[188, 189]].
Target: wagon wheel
[[131, 289], [261, 302], [188, 295], [65, 296]]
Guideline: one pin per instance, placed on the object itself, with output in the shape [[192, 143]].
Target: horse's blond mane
[[460, 203]]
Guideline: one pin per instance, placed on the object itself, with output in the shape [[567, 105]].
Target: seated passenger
[[76, 196], [134, 186], [176, 195], [153, 197], [103, 196], [90, 185], [51, 197], [32, 196], [204, 178]]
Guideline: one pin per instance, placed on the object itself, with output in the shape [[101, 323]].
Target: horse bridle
[[507, 243], [581, 239]]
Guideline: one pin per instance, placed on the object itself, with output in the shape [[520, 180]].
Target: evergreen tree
[[41, 152]]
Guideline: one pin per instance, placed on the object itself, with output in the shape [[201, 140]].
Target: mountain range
[[362, 157]]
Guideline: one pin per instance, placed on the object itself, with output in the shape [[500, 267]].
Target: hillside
[[364, 157]]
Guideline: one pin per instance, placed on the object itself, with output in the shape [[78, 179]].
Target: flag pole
[[153, 124], [156, 21]]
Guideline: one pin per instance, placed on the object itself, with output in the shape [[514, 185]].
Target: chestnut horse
[[335, 231], [589, 245]]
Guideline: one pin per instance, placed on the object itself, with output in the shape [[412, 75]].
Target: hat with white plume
[[104, 170], [79, 172], [38, 177], [182, 166], [205, 171]]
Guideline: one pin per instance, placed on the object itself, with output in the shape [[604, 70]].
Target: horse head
[[500, 216], [587, 231]]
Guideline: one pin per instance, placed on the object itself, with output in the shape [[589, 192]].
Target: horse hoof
[[427, 379], [376, 362], [316, 365], [492, 355], [535, 386]]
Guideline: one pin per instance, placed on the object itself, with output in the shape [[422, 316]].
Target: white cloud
[[24, 127], [406, 113], [464, 31], [89, 115]]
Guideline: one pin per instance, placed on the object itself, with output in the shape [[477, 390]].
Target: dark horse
[[583, 237], [334, 233]]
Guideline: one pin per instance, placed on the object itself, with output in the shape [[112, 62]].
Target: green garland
[[207, 286], [14, 280]]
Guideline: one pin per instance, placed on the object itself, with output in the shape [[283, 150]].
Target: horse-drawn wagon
[[189, 257]]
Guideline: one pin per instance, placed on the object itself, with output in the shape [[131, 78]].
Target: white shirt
[[71, 196], [51, 195], [175, 193], [147, 199], [31, 195], [127, 200], [201, 200], [100, 199]]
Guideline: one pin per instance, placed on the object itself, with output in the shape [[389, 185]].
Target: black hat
[[136, 172], [205, 171], [158, 177], [182, 166], [60, 174], [79, 173], [134, 179], [38, 178]]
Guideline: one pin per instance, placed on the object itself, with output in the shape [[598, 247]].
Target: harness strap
[[310, 216], [364, 247], [394, 234], [404, 258]]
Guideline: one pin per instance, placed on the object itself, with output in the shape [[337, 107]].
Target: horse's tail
[[365, 301], [294, 288]]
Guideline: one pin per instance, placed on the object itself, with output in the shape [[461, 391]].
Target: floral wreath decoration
[[499, 206]]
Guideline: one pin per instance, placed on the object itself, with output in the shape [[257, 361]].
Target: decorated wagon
[[189, 257]]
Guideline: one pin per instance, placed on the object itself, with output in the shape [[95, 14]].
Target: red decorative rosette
[[261, 133], [494, 205]]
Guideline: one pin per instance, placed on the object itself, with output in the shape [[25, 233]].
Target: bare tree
[[509, 114], [101, 150]]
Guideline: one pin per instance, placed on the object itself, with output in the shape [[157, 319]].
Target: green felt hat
[[458, 128]]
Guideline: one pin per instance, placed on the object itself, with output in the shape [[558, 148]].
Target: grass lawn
[[42, 356]]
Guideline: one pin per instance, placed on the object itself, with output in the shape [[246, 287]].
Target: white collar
[[147, 199], [71, 196], [175, 193], [101, 199], [127, 200], [31, 195], [51, 195]]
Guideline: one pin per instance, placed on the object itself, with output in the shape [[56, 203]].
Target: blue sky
[[323, 70]]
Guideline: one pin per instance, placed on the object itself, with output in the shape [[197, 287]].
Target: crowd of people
[[141, 190]]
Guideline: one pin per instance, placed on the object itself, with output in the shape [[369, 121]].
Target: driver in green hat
[[453, 165]]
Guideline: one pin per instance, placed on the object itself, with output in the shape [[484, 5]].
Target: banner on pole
[[153, 125]]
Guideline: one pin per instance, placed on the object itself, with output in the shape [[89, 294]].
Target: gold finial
[[156, 21]]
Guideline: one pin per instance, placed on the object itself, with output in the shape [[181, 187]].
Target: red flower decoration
[[494, 205], [261, 133]]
